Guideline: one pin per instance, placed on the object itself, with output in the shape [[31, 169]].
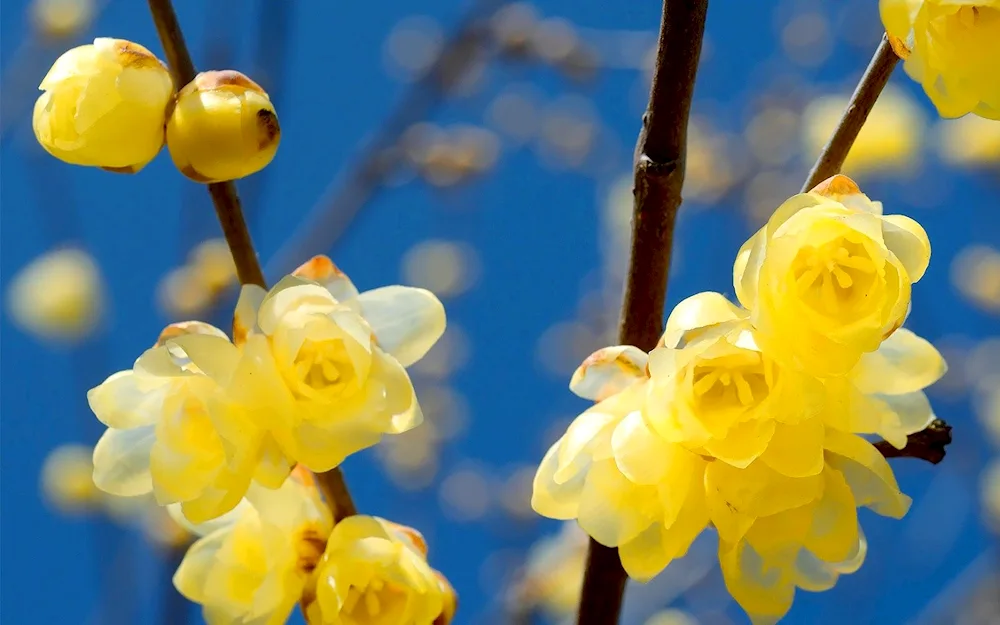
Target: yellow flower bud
[[58, 295], [61, 18], [222, 127], [104, 106], [66, 479]]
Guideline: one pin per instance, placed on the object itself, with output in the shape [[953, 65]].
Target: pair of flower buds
[[112, 104]]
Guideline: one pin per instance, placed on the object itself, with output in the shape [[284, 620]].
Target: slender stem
[[874, 80], [659, 175], [230, 213]]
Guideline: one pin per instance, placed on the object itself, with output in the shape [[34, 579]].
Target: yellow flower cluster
[[314, 373], [112, 104], [280, 547], [951, 48], [749, 418]]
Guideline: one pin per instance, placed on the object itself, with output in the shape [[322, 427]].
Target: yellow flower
[[59, 295], [326, 365], [807, 545], [172, 430], [68, 479], [253, 565], [375, 572], [714, 391], [970, 140], [951, 48], [554, 572], [625, 486], [104, 106], [222, 127], [61, 18], [829, 277], [889, 141]]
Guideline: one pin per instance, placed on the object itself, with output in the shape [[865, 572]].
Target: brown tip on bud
[[413, 536], [193, 174], [183, 328], [268, 129], [136, 56], [225, 78], [899, 46], [303, 475], [131, 169], [318, 268], [837, 186]]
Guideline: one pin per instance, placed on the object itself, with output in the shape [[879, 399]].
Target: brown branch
[[928, 444], [234, 227], [659, 176], [862, 101]]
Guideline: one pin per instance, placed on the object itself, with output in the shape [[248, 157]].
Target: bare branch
[[928, 444]]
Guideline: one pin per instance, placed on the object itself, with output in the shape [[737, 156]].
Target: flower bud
[[222, 127], [104, 106], [61, 18], [66, 479]]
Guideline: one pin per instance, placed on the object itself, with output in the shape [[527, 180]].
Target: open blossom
[[222, 127], [829, 277], [104, 105], [375, 572], [951, 48], [324, 365], [253, 565], [165, 416]]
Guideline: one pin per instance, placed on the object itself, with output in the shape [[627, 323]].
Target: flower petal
[[909, 242], [322, 270], [406, 321], [833, 535], [614, 510], [903, 363], [552, 499], [121, 461], [123, 402], [744, 443], [609, 370], [273, 465], [641, 455], [698, 311], [763, 591], [646, 555], [401, 400], [796, 450], [245, 316], [867, 473], [197, 565]]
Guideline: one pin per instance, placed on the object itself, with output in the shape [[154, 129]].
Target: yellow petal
[[274, 466], [322, 270], [614, 510], [903, 363], [401, 400], [641, 455], [197, 565], [647, 554], [899, 15], [833, 536], [406, 321], [765, 593], [213, 355], [744, 443], [796, 450], [609, 370], [867, 473], [121, 461], [698, 311], [552, 499], [588, 433], [909, 242], [122, 402], [245, 316]]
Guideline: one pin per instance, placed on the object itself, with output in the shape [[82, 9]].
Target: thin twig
[[659, 176], [928, 444], [874, 80], [350, 191], [234, 227]]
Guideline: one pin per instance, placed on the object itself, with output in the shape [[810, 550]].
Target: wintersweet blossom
[[104, 105], [253, 565], [375, 572], [67, 479], [324, 364], [829, 277], [951, 48], [166, 417], [222, 127]]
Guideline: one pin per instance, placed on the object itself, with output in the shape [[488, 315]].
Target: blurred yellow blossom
[[889, 141], [253, 565], [975, 272], [58, 295], [68, 479], [711, 169], [671, 616], [990, 485], [104, 106], [212, 263], [182, 294], [951, 48], [325, 364], [375, 572], [970, 140], [446, 268], [61, 18], [553, 576], [829, 277], [147, 448], [222, 127]]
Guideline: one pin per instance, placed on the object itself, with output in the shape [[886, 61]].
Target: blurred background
[[481, 149]]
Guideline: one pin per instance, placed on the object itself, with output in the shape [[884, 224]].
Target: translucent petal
[[903, 363], [121, 461], [796, 450], [322, 448], [198, 564], [552, 499], [909, 242], [608, 371], [899, 16], [614, 510], [401, 400], [867, 473], [744, 443], [641, 455], [211, 526], [407, 321], [245, 315], [273, 466], [765, 593], [123, 402], [698, 311], [646, 555], [575, 449], [833, 536], [291, 293], [214, 356], [321, 269]]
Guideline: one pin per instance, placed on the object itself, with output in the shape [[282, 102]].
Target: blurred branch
[[659, 176], [862, 101], [928, 444], [326, 222], [230, 214]]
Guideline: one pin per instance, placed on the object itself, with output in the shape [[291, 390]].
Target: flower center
[[322, 367], [378, 598], [834, 277], [968, 16], [738, 381]]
